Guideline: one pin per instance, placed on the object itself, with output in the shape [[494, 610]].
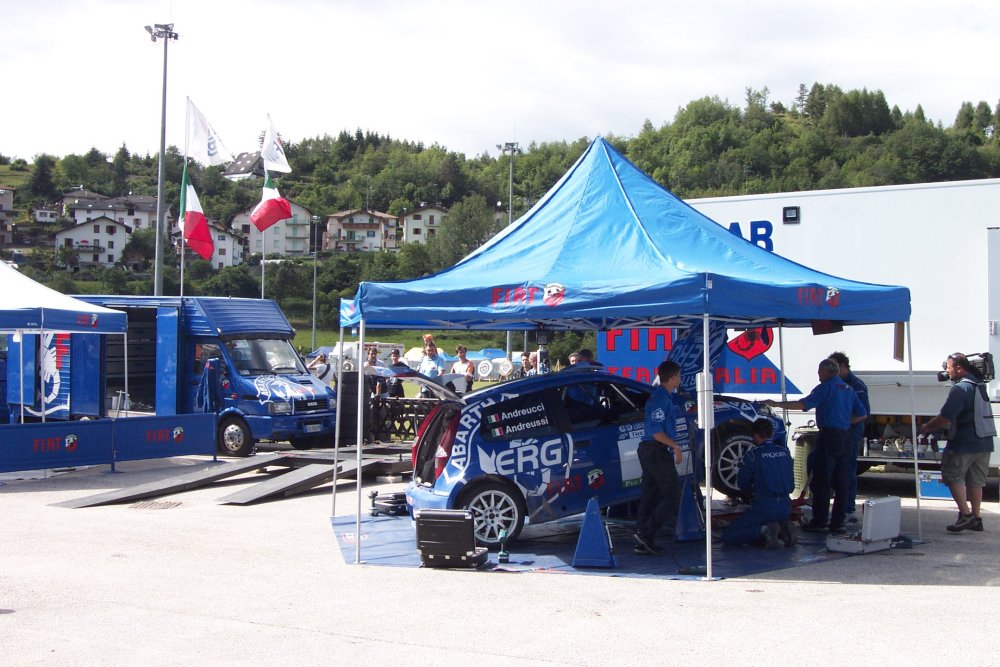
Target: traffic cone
[[593, 549], [690, 525]]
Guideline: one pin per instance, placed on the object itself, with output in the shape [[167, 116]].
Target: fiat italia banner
[[738, 361]]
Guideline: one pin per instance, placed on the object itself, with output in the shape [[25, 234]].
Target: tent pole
[[20, 372], [913, 433], [781, 364], [41, 350], [336, 424], [361, 421], [708, 417]]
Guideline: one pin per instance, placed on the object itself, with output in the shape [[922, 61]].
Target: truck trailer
[[941, 240], [181, 355]]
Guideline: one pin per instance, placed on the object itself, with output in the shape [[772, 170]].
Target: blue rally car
[[537, 449]]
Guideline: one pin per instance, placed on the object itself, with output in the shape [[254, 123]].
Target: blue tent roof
[[609, 247]]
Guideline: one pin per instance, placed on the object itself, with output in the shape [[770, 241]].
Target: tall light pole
[[315, 225], [164, 31], [511, 147]]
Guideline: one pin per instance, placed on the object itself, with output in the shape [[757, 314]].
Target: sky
[[463, 74]]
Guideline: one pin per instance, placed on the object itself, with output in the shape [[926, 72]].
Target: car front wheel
[[495, 507]]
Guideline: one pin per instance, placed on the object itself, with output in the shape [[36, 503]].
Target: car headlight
[[279, 408], [332, 403]]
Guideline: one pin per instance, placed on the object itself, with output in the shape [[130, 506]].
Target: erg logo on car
[[522, 456]]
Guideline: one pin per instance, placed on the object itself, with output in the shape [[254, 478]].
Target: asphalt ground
[[183, 580]]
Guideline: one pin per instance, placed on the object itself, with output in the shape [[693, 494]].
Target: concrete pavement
[[184, 580]]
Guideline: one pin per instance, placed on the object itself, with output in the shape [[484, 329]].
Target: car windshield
[[264, 356]]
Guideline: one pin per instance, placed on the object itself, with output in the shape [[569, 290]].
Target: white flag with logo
[[272, 152], [203, 144]]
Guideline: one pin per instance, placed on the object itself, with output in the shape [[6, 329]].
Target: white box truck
[[941, 240]]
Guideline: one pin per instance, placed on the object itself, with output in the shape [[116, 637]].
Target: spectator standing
[[464, 367], [532, 364], [431, 364], [966, 457], [837, 408], [395, 385], [322, 369], [377, 384], [525, 366]]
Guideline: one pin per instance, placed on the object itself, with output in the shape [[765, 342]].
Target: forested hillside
[[823, 138]]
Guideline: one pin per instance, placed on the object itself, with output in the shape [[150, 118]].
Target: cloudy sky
[[463, 74]]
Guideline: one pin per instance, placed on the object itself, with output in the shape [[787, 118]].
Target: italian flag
[[272, 207], [194, 226]]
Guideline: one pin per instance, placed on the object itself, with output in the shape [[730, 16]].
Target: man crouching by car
[[659, 455]]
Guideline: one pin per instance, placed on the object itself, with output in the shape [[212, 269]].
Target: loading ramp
[[306, 471]]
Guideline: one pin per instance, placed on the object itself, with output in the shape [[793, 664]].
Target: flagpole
[[263, 242], [184, 187], [184, 183]]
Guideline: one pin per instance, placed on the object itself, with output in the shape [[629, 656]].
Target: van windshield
[[264, 356]]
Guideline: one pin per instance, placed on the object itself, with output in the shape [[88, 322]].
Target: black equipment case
[[446, 538]]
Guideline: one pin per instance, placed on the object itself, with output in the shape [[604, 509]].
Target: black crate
[[445, 538]]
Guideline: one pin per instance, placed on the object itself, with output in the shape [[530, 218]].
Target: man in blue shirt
[[765, 473], [659, 454], [966, 458], [857, 430], [837, 409]]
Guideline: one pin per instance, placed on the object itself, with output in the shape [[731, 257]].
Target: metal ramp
[[296, 481], [164, 487], [307, 470]]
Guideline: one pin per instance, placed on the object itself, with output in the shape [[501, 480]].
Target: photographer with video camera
[[968, 418]]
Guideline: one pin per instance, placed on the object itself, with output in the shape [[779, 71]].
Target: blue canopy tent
[[608, 247]]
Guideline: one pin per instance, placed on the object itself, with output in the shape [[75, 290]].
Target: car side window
[[626, 403], [586, 404], [528, 416]]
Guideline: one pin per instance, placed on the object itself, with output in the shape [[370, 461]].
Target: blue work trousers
[[745, 529], [661, 490], [831, 475]]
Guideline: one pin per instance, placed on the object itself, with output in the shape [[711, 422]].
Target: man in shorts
[[966, 457]]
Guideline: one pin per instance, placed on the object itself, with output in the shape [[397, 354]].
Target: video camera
[[982, 366]]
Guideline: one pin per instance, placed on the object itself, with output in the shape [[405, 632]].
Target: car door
[[604, 435]]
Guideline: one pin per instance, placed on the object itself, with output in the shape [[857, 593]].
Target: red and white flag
[[194, 226], [272, 207], [272, 152]]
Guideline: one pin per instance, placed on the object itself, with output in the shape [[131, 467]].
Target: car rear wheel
[[235, 438], [494, 507], [730, 447]]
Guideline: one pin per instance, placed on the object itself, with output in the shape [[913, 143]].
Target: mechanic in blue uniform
[[766, 473], [837, 408], [857, 429], [659, 454]]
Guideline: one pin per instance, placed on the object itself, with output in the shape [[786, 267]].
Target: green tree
[[41, 185], [469, 224], [119, 169], [140, 249]]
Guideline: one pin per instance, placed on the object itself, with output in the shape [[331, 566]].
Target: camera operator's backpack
[[982, 411]]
